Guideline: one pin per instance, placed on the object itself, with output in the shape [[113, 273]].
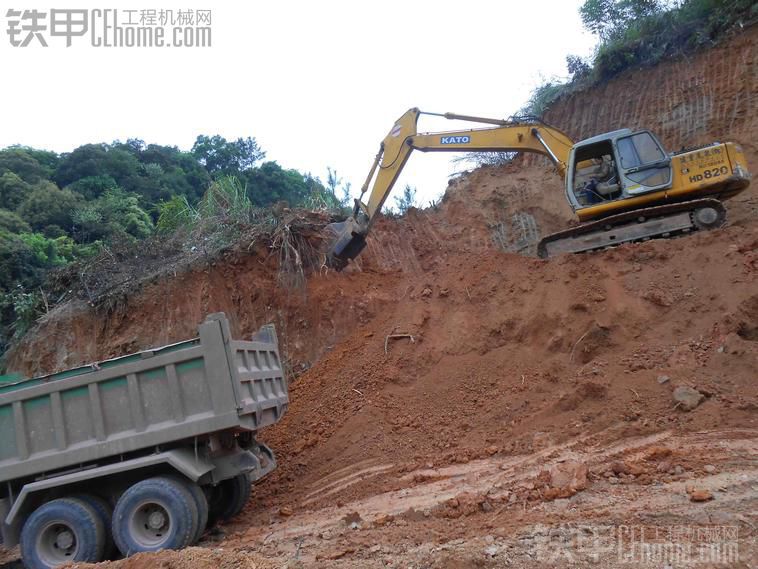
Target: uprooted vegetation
[[224, 222]]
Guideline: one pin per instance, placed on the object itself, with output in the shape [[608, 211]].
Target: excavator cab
[[615, 166]]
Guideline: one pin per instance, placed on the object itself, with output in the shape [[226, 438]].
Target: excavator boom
[[402, 139]]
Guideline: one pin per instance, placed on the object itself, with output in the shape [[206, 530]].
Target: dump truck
[[137, 453]]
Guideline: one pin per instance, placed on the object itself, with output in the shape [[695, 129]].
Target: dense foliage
[[57, 208], [634, 33]]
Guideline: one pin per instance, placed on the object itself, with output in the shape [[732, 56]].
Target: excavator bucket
[[346, 240]]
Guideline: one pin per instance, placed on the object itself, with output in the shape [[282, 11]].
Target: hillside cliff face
[[712, 95], [709, 96]]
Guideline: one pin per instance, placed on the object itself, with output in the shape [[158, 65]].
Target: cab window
[[638, 150]]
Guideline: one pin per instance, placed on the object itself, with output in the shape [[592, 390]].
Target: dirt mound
[[192, 557], [498, 353]]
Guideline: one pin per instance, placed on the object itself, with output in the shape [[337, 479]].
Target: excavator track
[[638, 225]]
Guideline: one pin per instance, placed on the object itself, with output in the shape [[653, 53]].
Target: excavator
[[622, 185]]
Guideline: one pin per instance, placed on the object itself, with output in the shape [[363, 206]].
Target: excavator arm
[[402, 139]]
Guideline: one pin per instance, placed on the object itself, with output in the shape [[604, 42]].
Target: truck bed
[[157, 397]]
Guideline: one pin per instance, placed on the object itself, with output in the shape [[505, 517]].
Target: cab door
[[643, 163]]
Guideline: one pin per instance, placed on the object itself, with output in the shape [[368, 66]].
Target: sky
[[318, 83]]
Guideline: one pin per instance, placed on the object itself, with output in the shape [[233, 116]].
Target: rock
[[426, 292], [663, 379], [285, 511], [382, 520], [353, 518], [687, 398], [700, 495], [709, 468], [619, 467], [492, 550], [569, 477], [613, 480], [678, 470]]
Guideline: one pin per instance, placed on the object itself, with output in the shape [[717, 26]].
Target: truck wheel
[[229, 497], [62, 531], [105, 513], [200, 501], [154, 514]]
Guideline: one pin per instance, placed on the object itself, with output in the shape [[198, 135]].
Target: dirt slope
[[520, 400]]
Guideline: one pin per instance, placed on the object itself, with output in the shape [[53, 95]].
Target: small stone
[[613, 480], [570, 476], [663, 379], [491, 551], [700, 495], [678, 470], [285, 511], [709, 468], [382, 520], [687, 398]]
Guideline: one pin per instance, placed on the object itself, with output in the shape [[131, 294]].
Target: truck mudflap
[[267, 462], [639, 225]]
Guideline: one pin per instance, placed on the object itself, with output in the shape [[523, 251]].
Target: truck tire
[[200, 501], [229, 497], [154, 514], [62, 531], [105, 513]]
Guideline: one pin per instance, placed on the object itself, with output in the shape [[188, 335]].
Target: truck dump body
[[151, 399]]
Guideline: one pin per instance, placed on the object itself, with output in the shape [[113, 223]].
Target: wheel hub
[[64, 540], [156, 520], [706, 216]]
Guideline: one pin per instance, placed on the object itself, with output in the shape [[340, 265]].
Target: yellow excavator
[[622, 185]]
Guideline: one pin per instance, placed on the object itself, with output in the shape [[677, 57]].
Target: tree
[[46, 204], [115, 214], [407, 200], [92, 187], [12, 223], [271, 183], [611, 18], [13, 190], [227, 158], [577, 67], [21, 162]]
